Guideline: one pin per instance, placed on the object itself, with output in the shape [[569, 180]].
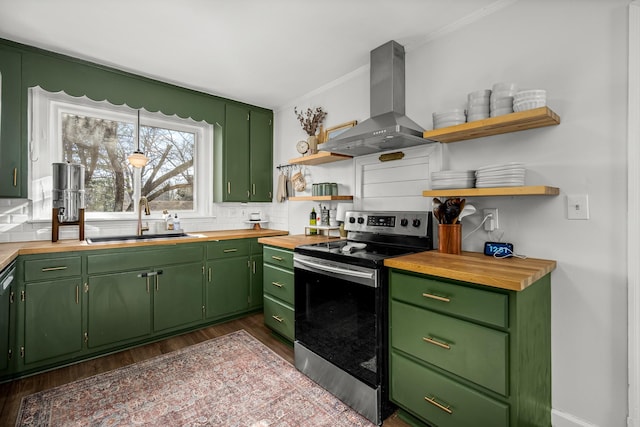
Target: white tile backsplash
[[16, 227]]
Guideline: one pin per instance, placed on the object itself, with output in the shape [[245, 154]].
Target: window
[[100, 136]]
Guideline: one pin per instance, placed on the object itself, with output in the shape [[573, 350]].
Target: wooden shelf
[[319, 158], [319, 198], [522, 120], [533, 190]]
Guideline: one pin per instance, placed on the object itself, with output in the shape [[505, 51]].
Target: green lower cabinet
[[455, 363], [227, 287], [52, 321], [119, 308], [278, 290], [177, 297]]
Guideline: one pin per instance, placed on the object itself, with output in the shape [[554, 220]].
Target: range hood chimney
[[388, 128]]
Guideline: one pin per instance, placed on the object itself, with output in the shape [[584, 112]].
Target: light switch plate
[[578, 206]]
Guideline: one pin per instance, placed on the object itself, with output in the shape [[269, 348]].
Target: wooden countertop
[[290, 242], [508, 273], [10, 251]]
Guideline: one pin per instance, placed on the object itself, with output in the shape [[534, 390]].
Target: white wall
[[577, 52]]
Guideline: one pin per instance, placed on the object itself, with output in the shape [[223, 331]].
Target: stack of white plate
[[502, 98], [505, 175], [452, 179], [529, 99], [478, 105], [449, 118]]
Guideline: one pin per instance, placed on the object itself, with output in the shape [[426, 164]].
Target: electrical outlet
[[578, 206], [491, 223]]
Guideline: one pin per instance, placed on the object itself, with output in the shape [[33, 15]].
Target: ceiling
[[265, 53]]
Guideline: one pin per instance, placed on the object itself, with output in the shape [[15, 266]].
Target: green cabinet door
[[261, 163], [6, 287], [119, 308], [52, 320], [236, 154], [255, 291], [12, 175], [227, 287], [177, 296]]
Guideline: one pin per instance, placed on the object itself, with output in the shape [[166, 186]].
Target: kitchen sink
[[135, 238]]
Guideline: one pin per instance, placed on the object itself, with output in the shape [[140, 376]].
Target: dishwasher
[[6, 295]]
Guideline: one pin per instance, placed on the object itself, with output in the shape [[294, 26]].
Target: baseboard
[[562, 419]]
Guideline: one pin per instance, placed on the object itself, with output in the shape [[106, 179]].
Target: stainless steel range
[[341, 300]]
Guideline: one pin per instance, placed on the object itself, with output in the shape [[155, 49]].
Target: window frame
[[45, 145]]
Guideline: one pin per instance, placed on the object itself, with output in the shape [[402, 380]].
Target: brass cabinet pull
[[228, 187], [277, 258], [253, 189], [15, 177], [147, 284], [276, 284], [209, 276], [226, 251], [436, 297], [54, 268], [253, 263], [278, 318], [438, 343], [77, 294], [157, 283], [432, 400], [248, 194]]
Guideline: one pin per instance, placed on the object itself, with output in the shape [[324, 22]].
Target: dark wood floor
[[12, 393]]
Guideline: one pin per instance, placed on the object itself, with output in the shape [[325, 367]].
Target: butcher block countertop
[[290, 242], [10, 251], [514, 274]]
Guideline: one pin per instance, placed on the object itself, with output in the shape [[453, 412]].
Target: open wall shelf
[[532, 190], [319, 158]]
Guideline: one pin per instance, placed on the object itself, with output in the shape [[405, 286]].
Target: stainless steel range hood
[[388, 128]]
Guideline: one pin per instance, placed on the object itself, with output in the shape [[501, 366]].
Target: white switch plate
[[578, 206]]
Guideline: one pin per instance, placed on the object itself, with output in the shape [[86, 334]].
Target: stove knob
[[352, 219], [416, 223], [360, 220], [404, 222]]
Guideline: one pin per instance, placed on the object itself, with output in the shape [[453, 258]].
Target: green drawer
[[52, 268], [228, 248], [474, 352], [279, 317], [411, 384], [475, 304], [279, 257], [278, 283], [139, 259]]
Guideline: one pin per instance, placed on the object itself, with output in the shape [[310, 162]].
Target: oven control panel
[[399, 223]]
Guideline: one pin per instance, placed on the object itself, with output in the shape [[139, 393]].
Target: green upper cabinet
[[11, 173], [244, 156], [236, 154], [261, 159]]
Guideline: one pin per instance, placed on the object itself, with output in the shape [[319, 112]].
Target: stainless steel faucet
[[147, 211]]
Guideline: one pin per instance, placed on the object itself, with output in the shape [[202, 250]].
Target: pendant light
[[138, 159]]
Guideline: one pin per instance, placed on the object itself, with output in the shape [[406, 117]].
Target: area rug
[[233, 380]]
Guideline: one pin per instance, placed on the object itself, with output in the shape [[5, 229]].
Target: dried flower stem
[[310, 120]]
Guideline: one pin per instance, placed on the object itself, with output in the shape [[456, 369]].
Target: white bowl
[[444, 124], [478, 101], [499, 103], [478, 109], [529, 105], [530, 94], [479, 116], [484, 93]]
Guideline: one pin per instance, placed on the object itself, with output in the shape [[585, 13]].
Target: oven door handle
[[336, 270]]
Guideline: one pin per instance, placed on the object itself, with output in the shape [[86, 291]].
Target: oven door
[[339, 315]]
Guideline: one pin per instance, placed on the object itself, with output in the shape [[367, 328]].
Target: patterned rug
[[232, 380]]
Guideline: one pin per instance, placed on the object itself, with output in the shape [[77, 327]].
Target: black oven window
[[336, 319]]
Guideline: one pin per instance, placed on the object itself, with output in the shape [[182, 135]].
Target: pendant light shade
[[137, 159]]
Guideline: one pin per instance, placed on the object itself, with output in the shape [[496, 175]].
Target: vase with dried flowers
[[311, 120]]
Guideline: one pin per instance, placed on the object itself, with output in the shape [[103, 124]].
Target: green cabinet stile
[[12, 175], [257, 273], [465, 354], [245, 155]]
